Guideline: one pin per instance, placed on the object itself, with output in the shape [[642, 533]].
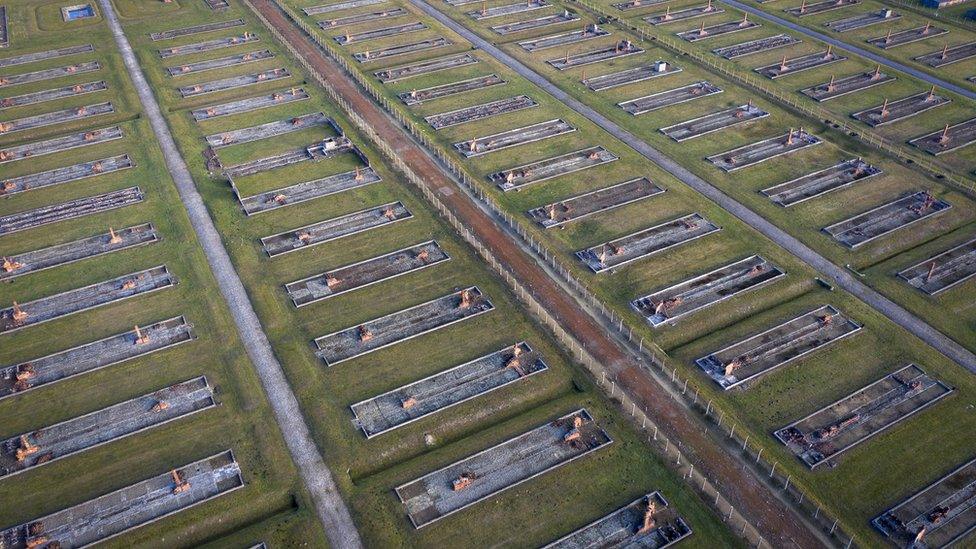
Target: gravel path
[[837, 275], [331, 510]]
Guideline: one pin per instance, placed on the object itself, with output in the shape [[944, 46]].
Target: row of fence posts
[[750, 80], [656, 357]]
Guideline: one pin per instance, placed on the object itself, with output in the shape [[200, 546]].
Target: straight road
[[331, 510], [837, 275], [778, 523], [921, 75]]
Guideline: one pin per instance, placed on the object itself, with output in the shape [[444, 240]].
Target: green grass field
[[273, 506], [804, 385], [368, 470]]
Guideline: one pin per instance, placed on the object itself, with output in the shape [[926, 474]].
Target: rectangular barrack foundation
[[825, 434], [617, 253], [136, 505], [674, 302], [759, 355], [593, 202], [496, 469], [404, 405], [400, 326]]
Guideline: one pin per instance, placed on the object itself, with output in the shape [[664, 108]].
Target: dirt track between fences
[[780, 526]]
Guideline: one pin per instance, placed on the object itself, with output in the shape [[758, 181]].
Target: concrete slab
[[802, 63], [85, 298], [593, 202], [480, 112], [269, 130], [49, 74], [429, 66], [195, 29], [563, 39], [67, 174], [402, 49], [126, 509], [805, 9], [249, 104], [51, 95], [400, 326], [630, 76], [622, 49], [58, 255], [549, 168], [667, 98], [507, 9], [721, 29], [337, 227], [944, 510], [948, 56], [944, 270], [675, 302], [219, 63], [76, 361], [761, 354], [340, 22], [365, 273], [496, 469], [625, 527], [694, 12], [513, 138], [907, 107], [645, 243], [58, 144], [209, 45], [420, 399], [372, 34], [72, 209], [950, 139], [713, 122], [322, 150], [234, 82], [416, 97], [836, 428], [329, 8], [535, 23], [900, 38], [63, 116], [832, 89], [849, 24], [812, 185], [33, 57], [307, 190], [887, 218], [752, 47], [761, 151], [104, 426]]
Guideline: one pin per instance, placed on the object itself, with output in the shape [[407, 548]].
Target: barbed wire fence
[[758, 83], [651, 356]]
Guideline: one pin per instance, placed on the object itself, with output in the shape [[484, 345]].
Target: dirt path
[[329, 506], [779, 524]]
